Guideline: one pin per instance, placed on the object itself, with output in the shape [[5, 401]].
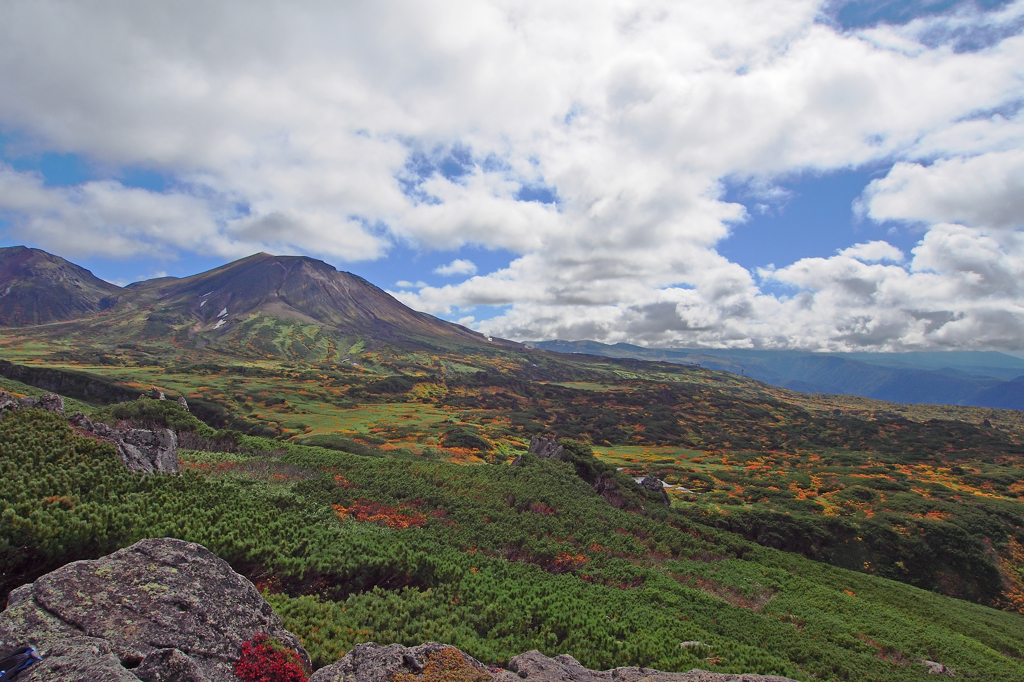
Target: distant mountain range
[[40, 290], [302, 308], [979, 378]]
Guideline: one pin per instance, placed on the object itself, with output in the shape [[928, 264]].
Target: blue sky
[[758, 173]]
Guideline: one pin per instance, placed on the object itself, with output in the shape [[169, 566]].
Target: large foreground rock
[[376, 663], [162, 610]]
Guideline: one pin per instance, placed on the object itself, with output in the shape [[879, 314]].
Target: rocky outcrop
[[184, 403], [7, 402], [376, 663], [161, 610], [51, 402], [153, 451], [655, 485], [546, 448]]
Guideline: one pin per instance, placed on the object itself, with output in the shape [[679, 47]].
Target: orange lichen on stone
[[445, 665]]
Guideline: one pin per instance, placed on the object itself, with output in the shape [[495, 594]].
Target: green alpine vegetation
[[494, 559]]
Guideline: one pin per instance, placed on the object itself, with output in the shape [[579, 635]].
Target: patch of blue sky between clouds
[[454, 162], [406, 266], [1006, 111], [971, 25], [472, 316], [67, 170], [858, 14], [808, 216]]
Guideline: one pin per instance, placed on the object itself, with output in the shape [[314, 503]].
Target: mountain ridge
[[920, 378], [212, 305]]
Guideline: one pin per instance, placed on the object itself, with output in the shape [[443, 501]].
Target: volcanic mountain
[[37, 288], [254, 303]]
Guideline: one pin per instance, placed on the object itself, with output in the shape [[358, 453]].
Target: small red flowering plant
[[265, 659]]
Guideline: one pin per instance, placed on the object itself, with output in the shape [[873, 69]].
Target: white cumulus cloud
[[459, 266], [340, 130]]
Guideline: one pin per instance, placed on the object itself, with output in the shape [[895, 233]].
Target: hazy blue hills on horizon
[[976, 378]]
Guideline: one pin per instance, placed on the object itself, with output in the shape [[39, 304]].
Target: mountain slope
[[294, 288], [38, 288]]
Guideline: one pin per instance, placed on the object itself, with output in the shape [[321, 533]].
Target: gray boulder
[[139, 449], [51, 402], [150, 451], [162, 610], [8, 402], [546, 448], [375, 663], [80, 421], [654, 484], [184, 403]]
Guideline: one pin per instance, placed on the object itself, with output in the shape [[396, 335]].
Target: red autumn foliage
[[365, 510], [266, 660]]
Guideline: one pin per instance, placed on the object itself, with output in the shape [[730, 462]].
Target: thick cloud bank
[[592, 139]]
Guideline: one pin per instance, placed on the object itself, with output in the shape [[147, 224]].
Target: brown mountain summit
[[37, 287], [218, 304]]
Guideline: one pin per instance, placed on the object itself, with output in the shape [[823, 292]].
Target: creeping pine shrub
[[265, 659]]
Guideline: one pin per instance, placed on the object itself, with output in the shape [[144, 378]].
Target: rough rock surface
[[139, 449], [162, 610], [654, 484], [51, 402], [546, 448], [184, 403], [8, 402], [376, 663]]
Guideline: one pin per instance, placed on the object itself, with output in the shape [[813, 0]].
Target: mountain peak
[[37, 287]]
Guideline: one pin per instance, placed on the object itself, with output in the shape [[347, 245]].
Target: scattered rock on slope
[[432, 661], [51, 402], [161, 610]]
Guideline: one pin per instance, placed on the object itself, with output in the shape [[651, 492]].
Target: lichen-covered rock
[[375, 663], [169, 665], [120, 617], [433, 661]]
